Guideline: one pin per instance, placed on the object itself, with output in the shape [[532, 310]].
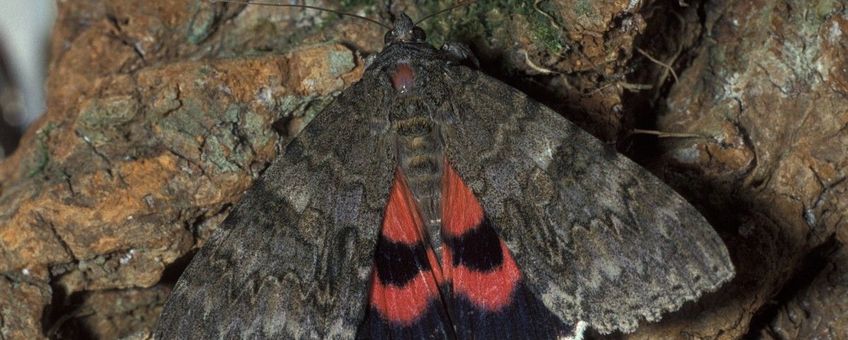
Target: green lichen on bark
[[40, 158]]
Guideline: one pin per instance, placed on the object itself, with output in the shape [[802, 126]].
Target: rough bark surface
[[160, 115]]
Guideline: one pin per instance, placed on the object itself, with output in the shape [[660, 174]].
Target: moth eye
[[390, 37], [418, 34], [403, 78]]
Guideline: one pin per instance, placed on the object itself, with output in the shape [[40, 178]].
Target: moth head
[[404, 31]]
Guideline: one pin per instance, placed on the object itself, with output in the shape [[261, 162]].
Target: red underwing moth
[[432, 201]]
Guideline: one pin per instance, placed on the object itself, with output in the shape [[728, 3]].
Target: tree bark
[[161, 114]]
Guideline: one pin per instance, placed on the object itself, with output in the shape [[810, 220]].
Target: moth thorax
[[403, 78], [421, 158]]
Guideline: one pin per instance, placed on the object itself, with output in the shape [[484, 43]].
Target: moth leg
[[370, 60], [460, 53]]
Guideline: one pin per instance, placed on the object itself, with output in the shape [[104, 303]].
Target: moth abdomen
[[416, 125], [421, 165], [420, 157]]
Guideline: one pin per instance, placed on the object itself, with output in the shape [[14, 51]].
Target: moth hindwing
[[430, 200]]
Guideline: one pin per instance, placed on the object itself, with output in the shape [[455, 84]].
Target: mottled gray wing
[[293, 258], [598, 237]]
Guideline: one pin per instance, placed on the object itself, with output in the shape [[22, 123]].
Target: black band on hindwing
[[478, 249], [398, 263]]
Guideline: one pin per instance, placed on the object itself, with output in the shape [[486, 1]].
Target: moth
[[430, 200]]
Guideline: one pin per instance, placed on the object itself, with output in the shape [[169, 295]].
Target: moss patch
[[489, 18]]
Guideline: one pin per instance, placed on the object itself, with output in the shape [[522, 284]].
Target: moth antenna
[[458, 5], [302, 6]]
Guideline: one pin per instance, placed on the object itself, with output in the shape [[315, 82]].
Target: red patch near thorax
[[403, 77]]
